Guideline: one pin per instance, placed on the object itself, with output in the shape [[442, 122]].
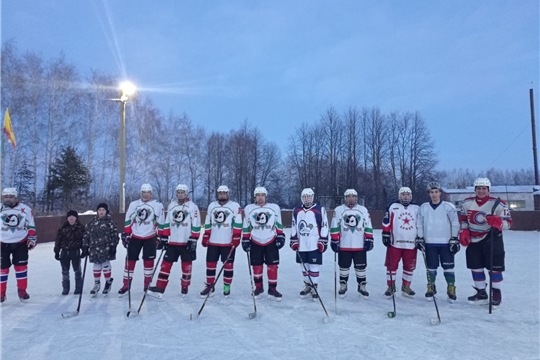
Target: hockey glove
[[236, 241], [205, 240], [31, 242], [162, 242], [334, 244], [322, 245], [125, 239], [112, 252], [246, 244], [280, 241], [294, 244], [386, 239], [420, 243], [192, 244], [84, 252], [368, 244], [495, 222], [57, 254], [454, 245], [465, 237]]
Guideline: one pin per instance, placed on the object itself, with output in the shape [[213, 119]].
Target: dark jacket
[[69, 237], [101, 237]]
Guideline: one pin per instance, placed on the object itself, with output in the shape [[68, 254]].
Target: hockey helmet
[[307, 197], [482, 182], [260, 190], [10, 191], [146, 187], [223, 188]]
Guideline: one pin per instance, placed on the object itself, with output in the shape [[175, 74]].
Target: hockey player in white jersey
[[398, 235], [309, 237], [179, 238], [352, 238], [438, 228], [262, 237], [17, 238], [478, 216], [144, 221], [222, 234]]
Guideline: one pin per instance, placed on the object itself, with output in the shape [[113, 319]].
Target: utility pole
[[536, 192]]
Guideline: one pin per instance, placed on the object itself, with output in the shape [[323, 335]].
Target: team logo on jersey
[[477, 217], [406, 221], [304, 228], [142, 215], [219, 218], [261, 220], [178, 217], [351, 222], [11, 222]]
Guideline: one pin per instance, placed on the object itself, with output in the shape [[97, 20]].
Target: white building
[[517, 197]]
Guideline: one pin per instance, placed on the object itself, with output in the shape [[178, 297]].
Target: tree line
[[67, 152]]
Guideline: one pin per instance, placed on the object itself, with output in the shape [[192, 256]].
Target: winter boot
[[451, 292], [107, 288], [362, 289], [95, 289], [2, 297], [314, 293], [273, 294], [480, 298], [209, 290], [496, 297], [342, 289], [306, 291], [407, 291], [65, 282], [155, 292], [226, 290], [390, 291], [259, 290], [431, 290], [23, 295], [78, 283]]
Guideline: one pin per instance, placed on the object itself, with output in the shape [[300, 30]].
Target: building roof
[[527, 189]]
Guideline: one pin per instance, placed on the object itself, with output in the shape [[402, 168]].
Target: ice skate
[[390, 291], [259, 291], [95, 289], [306, 292], [362, 290], [480, 298], [156, 292], [3, 297], [314, 295], [431, 291], [451, 292], [23, 295], [226, 290], [209, 289], [273, 294], [407, 291], [342, 289], [107, 288], [184, 291], [123, 291], [496, 298]]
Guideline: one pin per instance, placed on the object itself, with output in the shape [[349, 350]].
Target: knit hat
[[103, 205], [72, 213]]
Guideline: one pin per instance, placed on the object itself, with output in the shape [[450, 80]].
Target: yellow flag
[[8, 130]]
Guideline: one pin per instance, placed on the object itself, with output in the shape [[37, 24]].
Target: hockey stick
[[76, 312], [336, 310], [438, 320], [254, 313], [327, 318], [492, 237], [152, 278], [213, 285], [392, 314]]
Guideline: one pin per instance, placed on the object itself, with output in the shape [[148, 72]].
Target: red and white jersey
[[183, 221], [400, 222], [309, 226], [144, 220], [223, 222], [262, 223], [437, 223], [473, 216], [351, 225], [17, 223]]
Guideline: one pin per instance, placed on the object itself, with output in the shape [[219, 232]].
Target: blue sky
[[467, 66]]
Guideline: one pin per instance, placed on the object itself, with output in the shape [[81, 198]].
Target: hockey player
[[262, 238], [352, 237], [398, 235], [180, 234], [18, 237], [144, 221], [222, 233], [101, 240], [478, 216], [67, 250], [438, 228], [309, 238]]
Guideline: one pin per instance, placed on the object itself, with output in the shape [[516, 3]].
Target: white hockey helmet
[[307, 196], [482, 182], [350, 192], [146, 187], [10, 191], [434, 185], [183, 187], [404, 189], [223, 188], [260, 190]]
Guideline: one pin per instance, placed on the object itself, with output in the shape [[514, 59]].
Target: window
[[516, 204]]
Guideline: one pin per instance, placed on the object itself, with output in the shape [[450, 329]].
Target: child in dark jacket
[[67, 250]]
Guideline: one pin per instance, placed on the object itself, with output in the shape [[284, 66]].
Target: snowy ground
[[292, 329]]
